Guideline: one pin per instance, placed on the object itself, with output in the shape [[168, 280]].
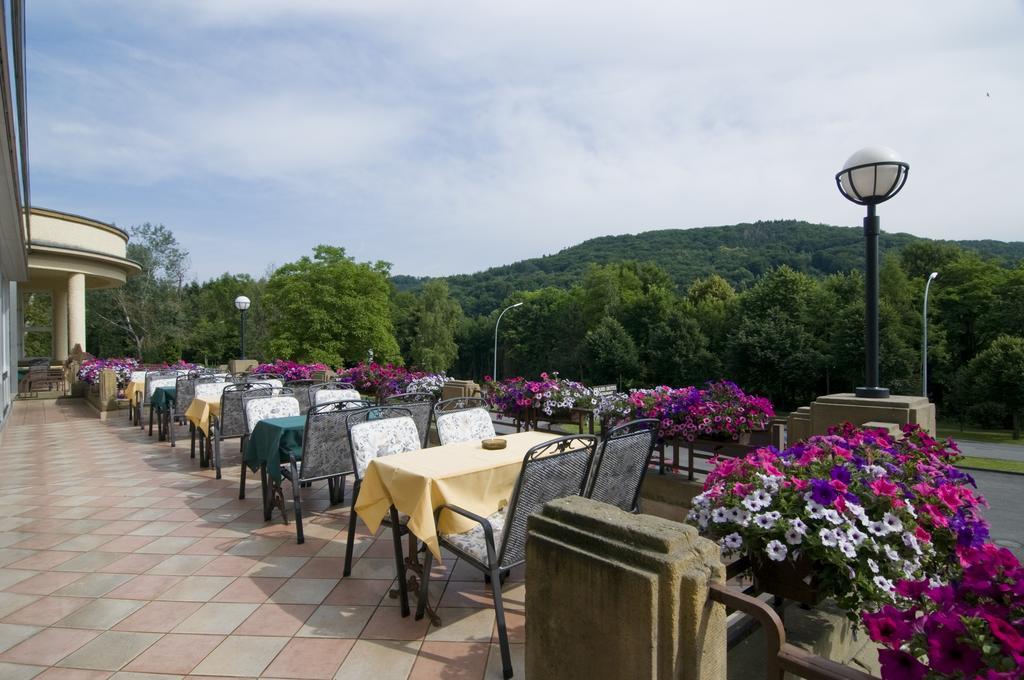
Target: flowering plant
[[866, 509], [548, 394], [721, 408], [427, 382], [385, 380], [972, 627], [89, 371], [290, 370]]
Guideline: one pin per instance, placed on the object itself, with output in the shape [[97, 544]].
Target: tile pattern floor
[[121, 559]]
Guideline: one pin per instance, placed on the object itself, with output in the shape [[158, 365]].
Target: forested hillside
[[739, 253]]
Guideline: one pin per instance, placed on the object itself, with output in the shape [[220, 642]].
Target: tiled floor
[[121, 559]]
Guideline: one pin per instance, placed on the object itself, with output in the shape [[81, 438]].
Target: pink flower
[[883, 487]]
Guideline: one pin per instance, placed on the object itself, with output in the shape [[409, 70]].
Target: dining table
[[272, 441]]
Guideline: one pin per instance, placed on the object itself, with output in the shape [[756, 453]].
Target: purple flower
[[822, 492], [900, 665]]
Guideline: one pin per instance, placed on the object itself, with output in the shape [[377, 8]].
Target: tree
[[437, 316], [214, 327], [611, 353], [330, 309], [997, 374]]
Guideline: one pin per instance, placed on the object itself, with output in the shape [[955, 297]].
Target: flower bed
[[548, 395], [290, 370], [867, 509], [385, 380], [89, 371]]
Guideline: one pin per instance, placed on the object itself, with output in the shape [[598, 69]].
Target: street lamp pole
[[871, 176], [924, 338], [242, 304], [494, 374]]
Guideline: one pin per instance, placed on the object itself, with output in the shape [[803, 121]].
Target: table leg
[[415, 571]]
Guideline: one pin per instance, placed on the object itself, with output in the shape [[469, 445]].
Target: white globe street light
[[871, 176], [242, 304], [494, 375], [924, 338]]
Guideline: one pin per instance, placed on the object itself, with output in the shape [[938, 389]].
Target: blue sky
[[445, 137]]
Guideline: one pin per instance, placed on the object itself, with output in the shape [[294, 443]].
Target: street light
[[871, 176], [924, 338], [241, 304], [494, 375]]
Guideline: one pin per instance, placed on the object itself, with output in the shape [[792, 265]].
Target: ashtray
[[493, 444]]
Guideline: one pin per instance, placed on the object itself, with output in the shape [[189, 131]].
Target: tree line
[[786, 334]]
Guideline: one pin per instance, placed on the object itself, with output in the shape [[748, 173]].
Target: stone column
[[60, 323], [617, 595], [76, 311]]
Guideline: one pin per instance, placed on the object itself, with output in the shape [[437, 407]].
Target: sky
[[446, 137]]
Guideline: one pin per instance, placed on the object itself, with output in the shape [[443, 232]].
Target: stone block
[[242, 365], [617, 595], [454, 389]]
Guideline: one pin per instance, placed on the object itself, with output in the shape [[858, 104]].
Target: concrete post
[[76, 311], [617, 595], [60, 324]]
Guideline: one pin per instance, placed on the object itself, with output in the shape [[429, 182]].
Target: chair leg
[[421, 606], [192, 434], [396, 535], [499, 617], [170, 428], [297, 502], [267, 493], [151, 420], [216, 456], [351, 541], [241, 483]]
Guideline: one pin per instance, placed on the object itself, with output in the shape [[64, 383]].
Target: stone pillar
[[76, 311], [617, 595], [60, 324], [835, 409]]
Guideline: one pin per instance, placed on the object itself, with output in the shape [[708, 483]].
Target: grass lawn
[[992, 464], [948, 429]]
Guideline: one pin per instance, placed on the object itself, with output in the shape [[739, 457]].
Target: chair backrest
[[325, 393], [262, 377], [459, 404], [210, 388], [138, 376], [187, 386], [277, 402], [232, 413], [155, 379], [621, 463], [551, 470], [301, 389], [464, 425], [421, 404], [380, 431], [326, 448]]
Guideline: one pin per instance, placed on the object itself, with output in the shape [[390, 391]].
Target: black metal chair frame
[[252, 395], [502, 558], [459, 404], [422, 406], [147, 398], [216, 422], [182, 400], [624, 436], [301, 388]]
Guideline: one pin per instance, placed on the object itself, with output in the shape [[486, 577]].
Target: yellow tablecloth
[[463, 474], [134, 390], [200, 410]]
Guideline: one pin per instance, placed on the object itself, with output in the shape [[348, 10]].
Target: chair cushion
[[462, 426], [384, 437], [211, 389], [270, 407], [329, 396], [472, 542]]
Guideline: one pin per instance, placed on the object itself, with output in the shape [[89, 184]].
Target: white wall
[[8, 355]]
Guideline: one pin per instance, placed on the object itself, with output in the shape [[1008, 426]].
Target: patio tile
[[43, 559], [248, 589], [167, 545], [181, 565], [110, 651], [515, 625], [175, 653], [279, 565], [158, 528], [17, 671], [359, 591], [145, 587], [11, 634], [84, 543], [336, 621], [463, 624], [93, 585], [100, 614], [322, 567], [134, 564], [8, 577], [210, 546], [387, 623], [45, 583], [42, 541], [48, 646], [89, 561], [72, 674], [313, 658], [308, 548], [127, 544], [379, 659], [120, 527], [275, 619], [373, 567], [8, 555], [437, 660], [131, 675], [158, 617], [46, 610], [242, 655], [216, 618], [518, 654], [303, 591], [228, 565], [197, 588], [256, 545]]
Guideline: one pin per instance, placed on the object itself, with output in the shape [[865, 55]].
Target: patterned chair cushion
[[376, 438], [138, 376], [210, 390], [161, 382], [330, 396], [269, 407], [463, 426], [472, 542]]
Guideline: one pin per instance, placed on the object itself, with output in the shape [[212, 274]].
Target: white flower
[[739, 516], [847, 549], [702, 518], [764, 521], [733, 541], [856, 536], [828, 537], [777, 551], [878, 528], [794, 537], [885, 584], [873, 566], [891, 553], [875, 471], [815, 510], [770, 482], [892, 522], [911, 511], [833, 517], [719, 515], [798, 526], [910, 540], [774, 515], [757, 500], [856, 510]]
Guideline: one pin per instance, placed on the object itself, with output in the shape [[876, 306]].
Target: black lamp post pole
[[242, 333], [871, 229]]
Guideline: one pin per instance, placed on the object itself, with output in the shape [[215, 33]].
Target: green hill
[[739, 253]]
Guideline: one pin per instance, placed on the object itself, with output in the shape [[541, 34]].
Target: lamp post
[[871, 176], [241, 304], [924, 338], [494, 375]]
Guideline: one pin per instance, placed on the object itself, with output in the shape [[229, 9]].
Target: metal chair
[[257, 405], [551, 470], [462, 419], [422, 406], [231, 421], [184, 393], [154, 379], [621, 463], [207, 390], [301, 388], [362, 426], [325, 393]]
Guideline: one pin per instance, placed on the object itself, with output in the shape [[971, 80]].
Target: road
[[987, 450], [1004, 493]]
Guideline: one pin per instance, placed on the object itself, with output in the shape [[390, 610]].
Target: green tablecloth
[[163, 398], [271, 442]]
